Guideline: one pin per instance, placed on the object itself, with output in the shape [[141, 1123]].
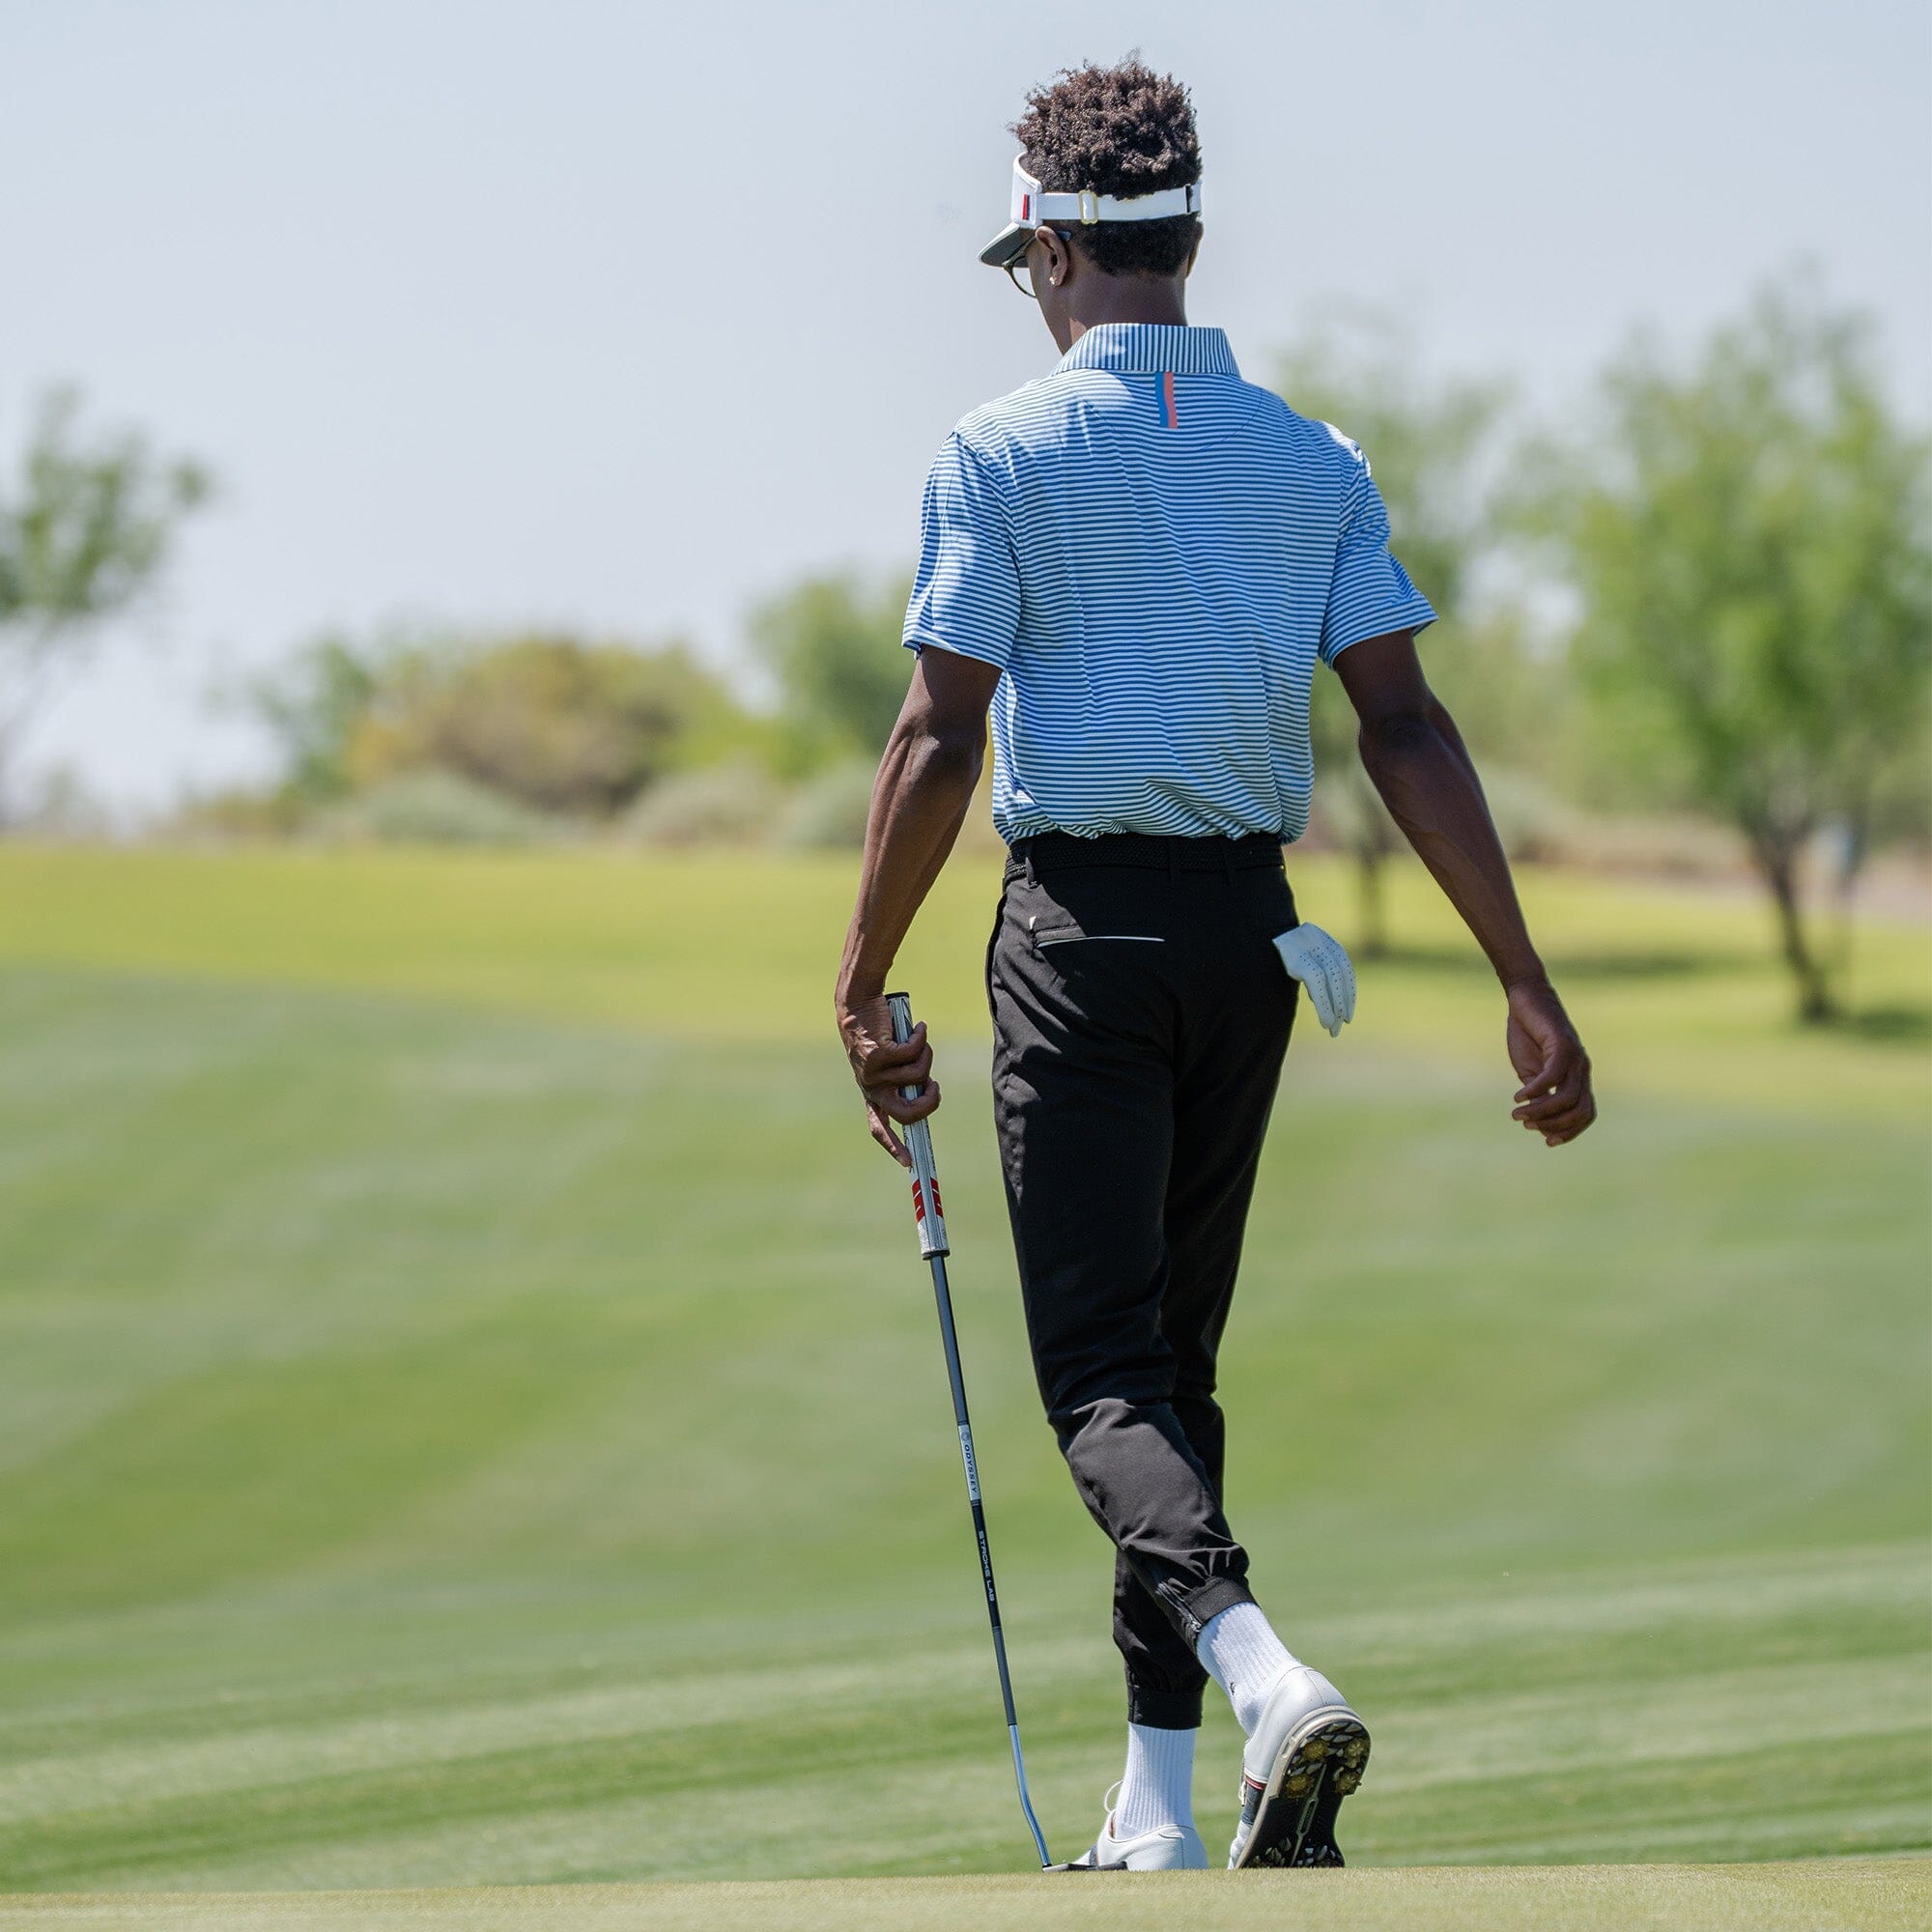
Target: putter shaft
[[933, 1246]]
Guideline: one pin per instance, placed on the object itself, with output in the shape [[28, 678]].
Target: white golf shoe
[[1169, 1848], [1308, 1752]]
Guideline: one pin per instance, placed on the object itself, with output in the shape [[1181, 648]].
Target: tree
[[312, 705], [1751, 545], [83, 532], [1425, 443], [832, 644]]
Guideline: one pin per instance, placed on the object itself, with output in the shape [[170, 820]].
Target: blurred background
[[459, 474]]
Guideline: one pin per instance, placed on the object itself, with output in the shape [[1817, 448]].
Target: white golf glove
[[1321, 964]]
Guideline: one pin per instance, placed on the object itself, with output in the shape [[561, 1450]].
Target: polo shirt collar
[[1148, 348]]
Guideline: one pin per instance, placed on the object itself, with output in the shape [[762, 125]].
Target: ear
[[1188, 266], [1057, 267]]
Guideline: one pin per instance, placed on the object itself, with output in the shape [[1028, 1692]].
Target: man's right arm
[[920, 800]]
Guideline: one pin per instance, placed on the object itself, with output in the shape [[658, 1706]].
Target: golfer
[[1135, 563]]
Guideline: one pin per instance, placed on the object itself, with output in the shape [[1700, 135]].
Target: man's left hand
[[1554, 1100]]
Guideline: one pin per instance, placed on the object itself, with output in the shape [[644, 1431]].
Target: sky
[[619, 317]]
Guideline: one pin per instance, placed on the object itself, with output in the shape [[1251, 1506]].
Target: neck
[[1098, 298]]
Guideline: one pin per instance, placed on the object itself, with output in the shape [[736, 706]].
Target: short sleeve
[[1370, 593], [966, 593]]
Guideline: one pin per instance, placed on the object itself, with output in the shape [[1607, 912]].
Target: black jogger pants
[[1140, 1016]]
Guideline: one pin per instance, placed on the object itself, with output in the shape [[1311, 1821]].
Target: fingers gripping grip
[[926, 1215]]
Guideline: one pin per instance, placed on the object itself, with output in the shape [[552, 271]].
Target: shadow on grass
[[1878, 1026], [1660, 965], [1889, 1026]]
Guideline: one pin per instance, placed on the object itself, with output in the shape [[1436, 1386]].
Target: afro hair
[[1122, 130]]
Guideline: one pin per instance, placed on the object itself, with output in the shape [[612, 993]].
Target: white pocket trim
[[1136, 938]]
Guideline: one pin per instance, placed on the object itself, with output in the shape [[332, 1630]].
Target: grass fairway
[[1843, 1895], [469, 1416]]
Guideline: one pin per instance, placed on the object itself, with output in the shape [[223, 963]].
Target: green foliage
[[1751, 539], [1430, 443], [558, 725], [563, 726], [83, 532], [833, 644], [312, 705]]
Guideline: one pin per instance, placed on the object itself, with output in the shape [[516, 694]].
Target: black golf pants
[[1140, 1016]]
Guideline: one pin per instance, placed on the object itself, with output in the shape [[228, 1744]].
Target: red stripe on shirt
[[1167, 390]]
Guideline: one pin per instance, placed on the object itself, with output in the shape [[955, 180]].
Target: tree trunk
[[1777, 860], [1854, 848], [1371, 921], [8, 734]]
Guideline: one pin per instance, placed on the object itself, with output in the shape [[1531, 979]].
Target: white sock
[[1241, 1651], [1157, 1787]]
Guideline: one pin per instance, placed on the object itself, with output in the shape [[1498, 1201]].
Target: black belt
[[1049, 851]]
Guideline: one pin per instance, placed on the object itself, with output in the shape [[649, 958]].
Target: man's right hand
[[1554, 1100], [925, 786], [882, 1066]]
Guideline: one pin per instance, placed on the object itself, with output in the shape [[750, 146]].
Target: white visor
[[1032, 207]]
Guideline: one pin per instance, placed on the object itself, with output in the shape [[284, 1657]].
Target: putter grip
[[925, 1209]]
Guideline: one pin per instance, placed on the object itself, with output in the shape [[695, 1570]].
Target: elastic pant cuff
[[1164, 1710], [1200, 1606]]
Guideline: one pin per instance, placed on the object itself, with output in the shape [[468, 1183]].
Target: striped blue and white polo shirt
[[1154, 552]]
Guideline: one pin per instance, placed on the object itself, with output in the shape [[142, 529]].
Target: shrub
[[438, 807], [563, 726], [829, 811], [732, 804]]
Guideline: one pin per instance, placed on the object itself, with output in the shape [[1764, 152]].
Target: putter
[[932, 1247]]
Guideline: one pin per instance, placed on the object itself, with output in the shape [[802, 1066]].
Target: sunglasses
[[1020, 274]]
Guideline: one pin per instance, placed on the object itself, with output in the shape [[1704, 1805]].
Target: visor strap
[[1087, 208], [1032, 206]]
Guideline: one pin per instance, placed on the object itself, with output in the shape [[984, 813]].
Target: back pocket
[[1055, 929]]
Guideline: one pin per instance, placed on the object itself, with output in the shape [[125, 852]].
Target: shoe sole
[[1293, 1820], [1082, 1864]]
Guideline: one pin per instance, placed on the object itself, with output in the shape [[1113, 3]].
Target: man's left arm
[[1417, 758], [920, 800]]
